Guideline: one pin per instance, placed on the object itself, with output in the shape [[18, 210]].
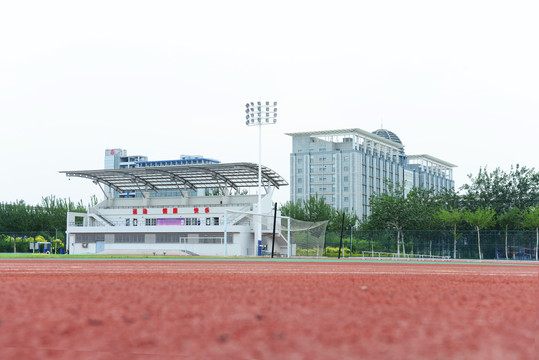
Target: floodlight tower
[[257, 115]]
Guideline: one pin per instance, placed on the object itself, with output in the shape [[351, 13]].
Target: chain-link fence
[[515, 245], [495, 244]]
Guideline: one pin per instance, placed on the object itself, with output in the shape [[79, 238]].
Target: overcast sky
[[454, 79]]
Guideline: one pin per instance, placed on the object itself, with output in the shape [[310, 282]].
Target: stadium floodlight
[[261, 119]]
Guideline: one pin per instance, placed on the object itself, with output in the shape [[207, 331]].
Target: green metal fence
[[520, 244]]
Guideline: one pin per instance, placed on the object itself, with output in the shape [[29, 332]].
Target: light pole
[[257, 115]]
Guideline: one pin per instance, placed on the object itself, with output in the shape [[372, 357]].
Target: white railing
[[154, 206], [394, 256]]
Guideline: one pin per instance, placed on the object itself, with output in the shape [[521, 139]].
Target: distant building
[[118, 159], [347, 166]]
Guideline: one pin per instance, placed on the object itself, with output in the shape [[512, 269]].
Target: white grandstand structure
[[218, 224]]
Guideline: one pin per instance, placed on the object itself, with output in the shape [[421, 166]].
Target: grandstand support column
[[226, 236]]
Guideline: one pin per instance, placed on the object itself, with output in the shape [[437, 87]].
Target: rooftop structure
[[118, 159], [194, 177]]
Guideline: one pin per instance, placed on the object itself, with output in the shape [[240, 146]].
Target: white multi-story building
[[347, 166], [118, 159]]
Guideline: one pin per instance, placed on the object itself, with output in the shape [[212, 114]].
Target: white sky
[[454, 79]]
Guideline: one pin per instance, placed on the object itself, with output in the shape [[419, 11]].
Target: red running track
[[96, 309]]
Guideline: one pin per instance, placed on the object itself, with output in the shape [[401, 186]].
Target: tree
[[449, 199], [50, 214], [487, 190], [452, 217], [316, 209], [501, 191], [350, 220], [481, 218], [531, 220], [509, 219], [523, 187], [393, 210], [422, 205], [389, 211]]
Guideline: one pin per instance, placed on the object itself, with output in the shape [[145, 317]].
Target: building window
[[128, 238], [216, 221], [151, 222], [89, 238], [345, 179], [345, 168], [300, 190], [167, 238], [210, 240], [208, 221], [345, 188]]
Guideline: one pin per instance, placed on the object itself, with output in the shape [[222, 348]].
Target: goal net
[[292, 237]]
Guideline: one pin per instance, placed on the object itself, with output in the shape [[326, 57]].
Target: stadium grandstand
[[218, 223]]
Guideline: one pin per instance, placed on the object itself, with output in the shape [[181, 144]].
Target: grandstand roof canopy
[[207, 176]]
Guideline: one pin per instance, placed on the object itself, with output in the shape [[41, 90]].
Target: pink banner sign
[[177, 221]]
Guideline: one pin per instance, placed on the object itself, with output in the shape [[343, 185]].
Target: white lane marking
[[334, 270]]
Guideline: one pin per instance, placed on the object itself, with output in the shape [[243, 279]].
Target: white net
[[306, 238]]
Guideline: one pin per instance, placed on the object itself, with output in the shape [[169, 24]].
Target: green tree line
[[49, 215]]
